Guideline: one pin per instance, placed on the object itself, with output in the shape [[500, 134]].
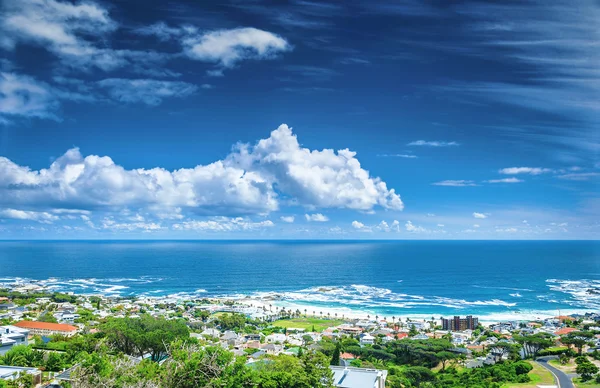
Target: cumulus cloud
[[326, 178], [317, 217], [414, 229], [524, 170], [455, 183], [288, 219], [358, 225], [505, 180], [480, 215], [147, 91], [249, 181], [434, 143], [228, 47]]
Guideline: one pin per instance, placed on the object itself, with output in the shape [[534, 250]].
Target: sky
[[256, 119]]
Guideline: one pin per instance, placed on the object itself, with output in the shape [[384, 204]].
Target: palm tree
[[328, 315], [314, 313], [270, 307], [368, 317], [304, 312], [393, 319], [376, 317]]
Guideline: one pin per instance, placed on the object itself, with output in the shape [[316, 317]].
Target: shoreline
[[270, 302]]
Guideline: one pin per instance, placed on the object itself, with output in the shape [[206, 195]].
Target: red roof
[[401, 335], [564, 331], [347, 356], [45, 326]]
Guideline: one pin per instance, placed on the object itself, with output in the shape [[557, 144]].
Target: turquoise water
[[387, 278]]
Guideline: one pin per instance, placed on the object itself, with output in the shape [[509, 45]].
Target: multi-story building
[[45, 328], [460, 324], [11, 336]]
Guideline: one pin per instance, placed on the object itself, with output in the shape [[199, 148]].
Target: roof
[[565, 330], [45, 326], [356, 377]]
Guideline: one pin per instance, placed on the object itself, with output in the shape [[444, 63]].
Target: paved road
[[561, 378]]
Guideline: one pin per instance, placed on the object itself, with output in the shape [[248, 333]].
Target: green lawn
[[539, 376], [308, 323], [587, 384]]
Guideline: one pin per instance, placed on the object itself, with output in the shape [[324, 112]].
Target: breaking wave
[[580, 293], [370, 297]]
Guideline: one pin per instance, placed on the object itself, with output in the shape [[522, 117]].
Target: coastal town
[[368, 352]]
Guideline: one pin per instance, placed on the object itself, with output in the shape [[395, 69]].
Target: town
[[49, 339]]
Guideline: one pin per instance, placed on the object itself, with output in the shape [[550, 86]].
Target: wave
[[581, 293], [367, 297]]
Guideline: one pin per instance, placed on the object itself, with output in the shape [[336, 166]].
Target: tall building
[[459, 324]]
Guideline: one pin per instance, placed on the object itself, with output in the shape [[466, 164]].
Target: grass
[[587, 384], [568, 368], [308, 323], [539, 376]]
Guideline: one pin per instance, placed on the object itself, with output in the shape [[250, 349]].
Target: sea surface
[[402, 278]]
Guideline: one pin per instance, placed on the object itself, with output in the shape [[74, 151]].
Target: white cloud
[[223, 224], [430, 215], [480, 215], [440, 225], [406, 156], [70, 31], [317, 217], [43, 217], [228, 47], [414, 229], [507, 230], [148, 91], [325, 179], [455, 183], [476, 225], [433, 143], [524, 170], [24, 96], [505, 180], [288, 219], [358, 225], [243, 183], [583, 176]]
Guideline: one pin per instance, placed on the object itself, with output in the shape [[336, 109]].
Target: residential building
[[348, 377], [12, 336], [45, 328], [11, 373], [460, 324]]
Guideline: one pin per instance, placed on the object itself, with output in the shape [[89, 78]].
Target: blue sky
[[299, 119]]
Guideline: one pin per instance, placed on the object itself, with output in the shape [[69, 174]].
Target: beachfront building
[[460, 324], [46, 329], [12, 336], [348, 377]]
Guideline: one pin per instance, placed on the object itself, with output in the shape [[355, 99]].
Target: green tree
[[578, 339], [586, 370], [138, 336], [444, 357], [335, 358]]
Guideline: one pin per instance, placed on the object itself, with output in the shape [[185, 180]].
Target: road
[[562, 380]]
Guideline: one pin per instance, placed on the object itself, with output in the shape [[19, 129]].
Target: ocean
[[493, 279]]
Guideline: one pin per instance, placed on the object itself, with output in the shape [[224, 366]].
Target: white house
[[348, 377], [367, 339], [12, 336]]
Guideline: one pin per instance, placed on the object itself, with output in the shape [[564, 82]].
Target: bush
[[522, 368]]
